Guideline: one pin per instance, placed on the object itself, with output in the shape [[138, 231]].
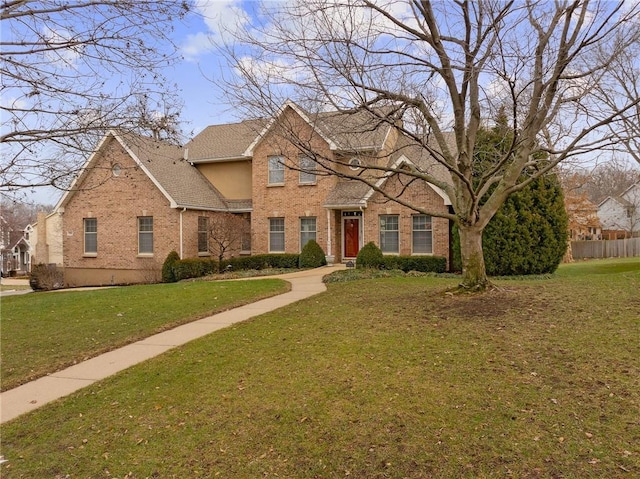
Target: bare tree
[[608, 178], [445, 68], [18, 215], [625, 71], [226, 233], [70, 71]]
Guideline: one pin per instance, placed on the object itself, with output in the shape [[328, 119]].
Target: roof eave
[[209, 208], [344, 206], [200, 161]]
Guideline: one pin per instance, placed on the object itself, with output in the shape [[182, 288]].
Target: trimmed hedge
[[262, 261], [370, 256], [423, 264], [197, 267], [194, 268]]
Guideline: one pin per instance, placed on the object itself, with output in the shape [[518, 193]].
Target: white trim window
[[90, 236], [276, 235], [276, 170], [389, 234], [145, 234], [421, 234], [245, 238], [308, 167], [307, 230], [203, 234]]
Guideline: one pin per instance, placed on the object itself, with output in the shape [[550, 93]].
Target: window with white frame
[[308, 168], [276, 170], [145, 235], [245, 238], [422, 234], [307, 230], [203, 234], [276, 235], [90, 236], [389, 234]]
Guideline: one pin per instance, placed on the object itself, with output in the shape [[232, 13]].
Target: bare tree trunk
[[474, 272]]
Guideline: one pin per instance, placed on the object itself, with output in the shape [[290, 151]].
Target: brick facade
[[418, 193], [118, 189], [116, 202], [290, 200]]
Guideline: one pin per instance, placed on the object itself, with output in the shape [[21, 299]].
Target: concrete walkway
[[37, 393], [9, 282]]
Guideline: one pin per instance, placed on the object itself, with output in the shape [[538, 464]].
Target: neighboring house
[[584, 223], [5, 239], [138, 199], [16, 257], [45, 236], [15, 250], [620, 216]]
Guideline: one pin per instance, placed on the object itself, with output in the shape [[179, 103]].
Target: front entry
[[351, 234]]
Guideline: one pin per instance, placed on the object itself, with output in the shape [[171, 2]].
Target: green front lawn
[[385, 378], [44, 332]]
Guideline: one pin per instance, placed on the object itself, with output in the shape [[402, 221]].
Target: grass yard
[[385, 378], [45, 332]]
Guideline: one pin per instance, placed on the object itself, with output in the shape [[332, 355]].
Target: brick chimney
[[41, 246]]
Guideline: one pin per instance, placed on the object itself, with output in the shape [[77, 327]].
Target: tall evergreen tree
[[528, 234]]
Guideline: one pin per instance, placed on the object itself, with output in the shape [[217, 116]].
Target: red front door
[[351, 237]]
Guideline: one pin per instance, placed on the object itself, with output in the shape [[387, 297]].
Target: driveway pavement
[[37, 393]]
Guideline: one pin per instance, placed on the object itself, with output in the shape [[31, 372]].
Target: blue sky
[[204, 102]]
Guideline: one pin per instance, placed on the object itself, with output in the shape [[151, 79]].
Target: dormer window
[[355, 164]]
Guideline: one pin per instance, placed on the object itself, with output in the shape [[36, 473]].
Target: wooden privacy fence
[[622, 248]]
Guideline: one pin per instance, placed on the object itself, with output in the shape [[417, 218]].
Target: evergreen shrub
[[168, 273], [528, 234], [370, 256], [312, 255]]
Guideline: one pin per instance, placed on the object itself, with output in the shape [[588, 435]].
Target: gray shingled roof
[[347, 194], [349, 131], [421, 157], [224, 141], [186, 186], [352, 193], [353, 131]]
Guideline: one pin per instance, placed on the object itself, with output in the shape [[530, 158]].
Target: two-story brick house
[[137, 199]]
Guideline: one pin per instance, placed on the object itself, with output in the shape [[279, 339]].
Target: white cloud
[[196, 45], [220, 17], [218, 12], [268, 71]]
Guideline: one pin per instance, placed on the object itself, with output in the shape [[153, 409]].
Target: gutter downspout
[[362, 208], [330, 258], [182, 211]]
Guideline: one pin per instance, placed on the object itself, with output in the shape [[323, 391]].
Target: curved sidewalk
[[37, 393]]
